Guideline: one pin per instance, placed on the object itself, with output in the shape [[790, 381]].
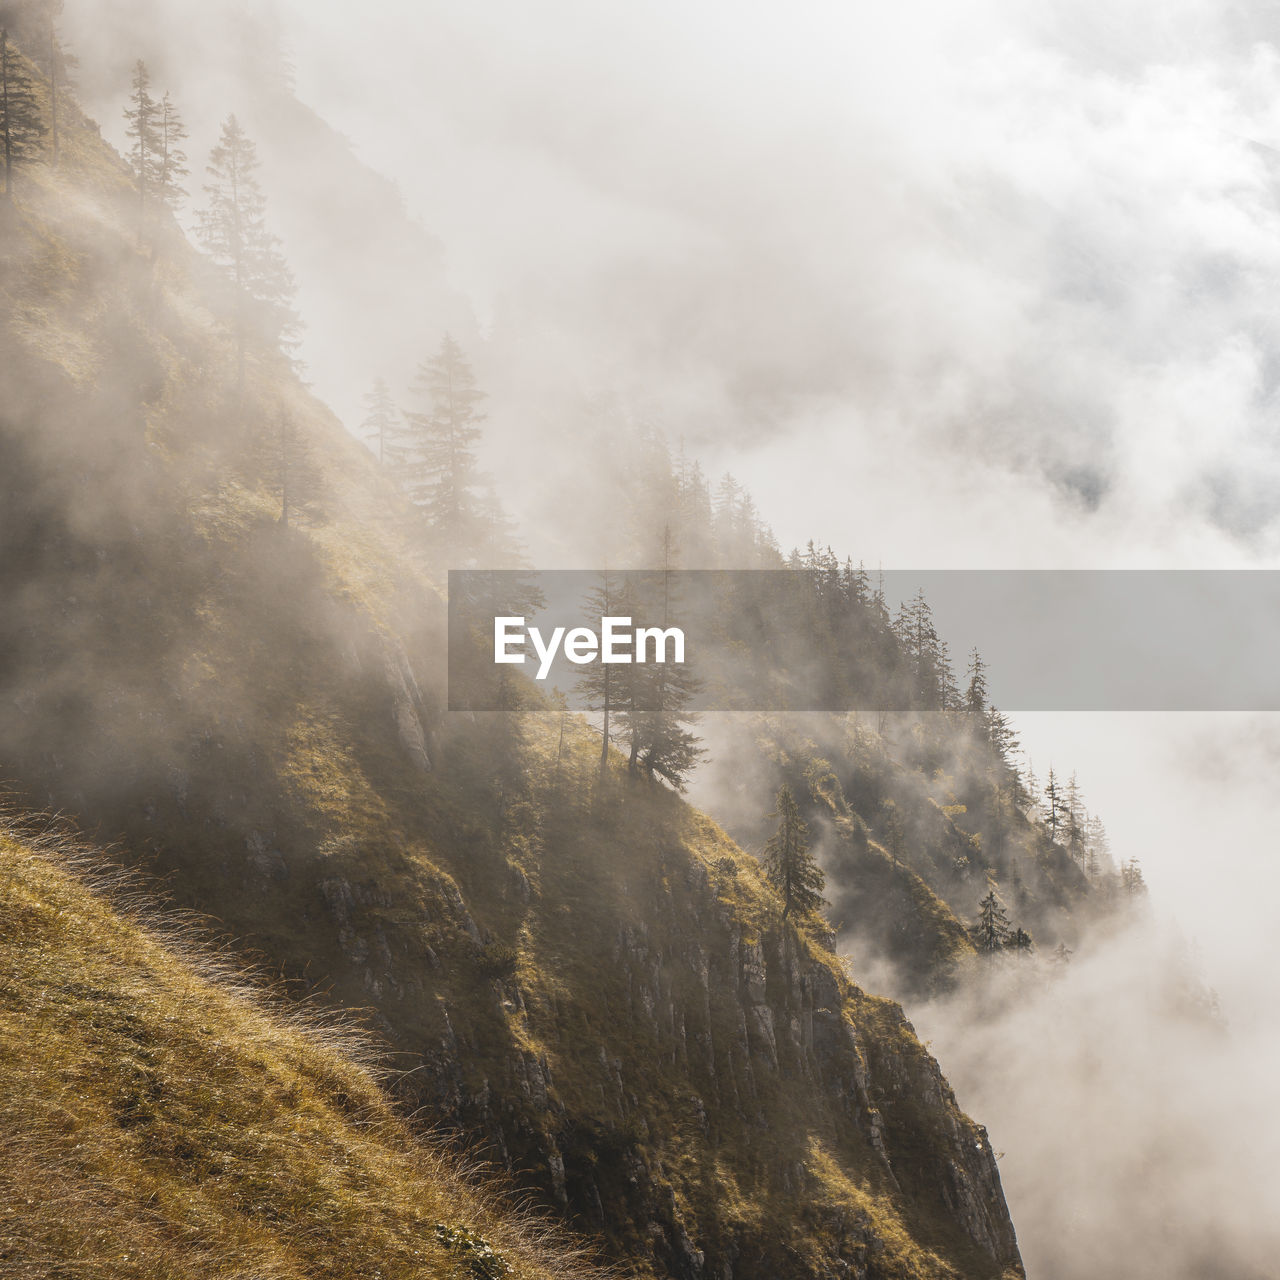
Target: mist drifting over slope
[[968, 286]]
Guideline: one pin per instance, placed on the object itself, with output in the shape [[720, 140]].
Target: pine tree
[[172, 165], [992, 930], [20, 119], [1020, 942], [1032, 796], [1062, 955], [142, 115], [933, 685], [1097, 847], [58, 65], [1003, 738], [438, 464], [291, 471], [599, 682], [1056, 801], [383, 427], [234, 231], [975, 696], [657, 694], [1076, 820], [789, 864], [1132, 881]]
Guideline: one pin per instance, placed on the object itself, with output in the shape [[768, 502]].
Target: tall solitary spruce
[[20, 119], [991, 933], [788, 862]]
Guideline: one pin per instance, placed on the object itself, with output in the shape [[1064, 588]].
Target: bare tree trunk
[[604, 744]]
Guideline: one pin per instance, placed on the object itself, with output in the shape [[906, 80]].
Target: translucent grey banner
[[839, 639]]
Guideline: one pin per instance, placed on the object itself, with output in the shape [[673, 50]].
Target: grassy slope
[[156, 1119], [580, 978]]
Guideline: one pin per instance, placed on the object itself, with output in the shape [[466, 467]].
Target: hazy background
[[975, 285]]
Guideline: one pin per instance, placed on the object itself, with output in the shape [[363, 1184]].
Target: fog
[[948, 286]]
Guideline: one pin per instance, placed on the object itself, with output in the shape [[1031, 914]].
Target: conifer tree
[[234, 231], [693, 507], [1132, 881], [975, 696], [437, 464], [291, 471], [1003, 739], [655, 696], [142, 115], [383, 427], [1056, 803], [992, 930], [599, 682], [1020, 942], [20, 120], [1062, 955], [927, 652], [1032, 796], [1076, 820], [725, 520], [57, 64], [172, 165], [788, 863], [1097, 846], [156, 156]]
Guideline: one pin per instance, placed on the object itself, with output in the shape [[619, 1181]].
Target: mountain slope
[[585, 978], [157, 1119]]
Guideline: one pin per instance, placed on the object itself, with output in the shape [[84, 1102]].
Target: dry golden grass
[[162, 1115]]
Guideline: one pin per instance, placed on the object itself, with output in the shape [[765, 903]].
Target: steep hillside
[[914, 822], [157, 1118], [584, 977]]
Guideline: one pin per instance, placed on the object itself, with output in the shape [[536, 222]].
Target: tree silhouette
[[20, 119], [172, 161], [788, 862], [291, 471], [599, 682], [383, 426], [992, 930], [234, 231], [437, 464], [1020, 942], [142, 116], [1056, 801]]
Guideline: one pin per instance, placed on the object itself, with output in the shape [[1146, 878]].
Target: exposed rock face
[[407, 706], [706, 1030]]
